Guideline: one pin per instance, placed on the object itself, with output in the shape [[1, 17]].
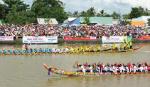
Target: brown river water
[[27, 71]]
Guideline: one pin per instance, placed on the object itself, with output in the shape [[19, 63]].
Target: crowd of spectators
[[74, 31]]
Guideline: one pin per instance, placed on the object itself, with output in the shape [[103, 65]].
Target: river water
[[27, 71]]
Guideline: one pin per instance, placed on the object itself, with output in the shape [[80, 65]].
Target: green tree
[[76, 14], [115, 15], [146, 12], [91, 12], [86, 20], [137, 12], [16, 11], [126, 16], [83, 14], [70, 14], [49, 9], [17, 5], [106, 15], [101, 13], [3, 11]]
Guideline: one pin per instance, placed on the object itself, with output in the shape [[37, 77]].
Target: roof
[[75, 22], [69, 19], [142, 18], [99, 20], [52, 21], [93, 20]]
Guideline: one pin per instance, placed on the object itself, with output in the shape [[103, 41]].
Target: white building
[[52, 21]]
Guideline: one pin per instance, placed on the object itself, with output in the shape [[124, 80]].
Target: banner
[[68, 38], [6, 38], [114, 42], [40, 39], [142, 38], [114, 39]]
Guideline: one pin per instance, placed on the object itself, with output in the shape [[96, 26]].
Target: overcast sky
[[121, 6]]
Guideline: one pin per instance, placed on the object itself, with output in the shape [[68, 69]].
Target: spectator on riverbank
[[80, 31]]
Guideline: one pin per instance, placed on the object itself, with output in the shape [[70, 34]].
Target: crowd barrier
[[143, 38], [68, 38], [40, 39], [6, 38]]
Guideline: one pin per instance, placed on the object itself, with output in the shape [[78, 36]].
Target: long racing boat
[[62, 72]]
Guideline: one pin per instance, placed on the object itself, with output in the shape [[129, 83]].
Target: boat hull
[[76, 74]]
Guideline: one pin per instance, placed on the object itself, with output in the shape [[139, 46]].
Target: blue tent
[[75, 22]]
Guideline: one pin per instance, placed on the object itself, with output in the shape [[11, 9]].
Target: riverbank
[[61, 41]]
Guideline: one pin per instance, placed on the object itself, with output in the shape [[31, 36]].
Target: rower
[[121, 68], [130, 67], [126, 69], [91, 69], [101, 67], [26, 47], [114, 68], [140, 68], [76, 65], [145, 67], [83, 69], [49, 71], [85, 64], [134, 68]]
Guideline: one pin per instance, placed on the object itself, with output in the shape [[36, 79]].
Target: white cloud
[[122, 6], [107, 5]]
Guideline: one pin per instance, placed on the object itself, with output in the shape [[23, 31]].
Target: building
[[140, 21], [52, 21], [92, 20], [98, 20]]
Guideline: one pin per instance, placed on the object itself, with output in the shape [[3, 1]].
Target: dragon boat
[[76, 49], [62, 72]]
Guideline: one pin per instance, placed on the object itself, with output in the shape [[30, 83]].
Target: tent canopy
[[137, 23]]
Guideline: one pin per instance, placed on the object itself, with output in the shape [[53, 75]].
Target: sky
[[120, 6]]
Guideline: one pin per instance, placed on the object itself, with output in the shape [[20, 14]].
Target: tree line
[[18, 12]]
